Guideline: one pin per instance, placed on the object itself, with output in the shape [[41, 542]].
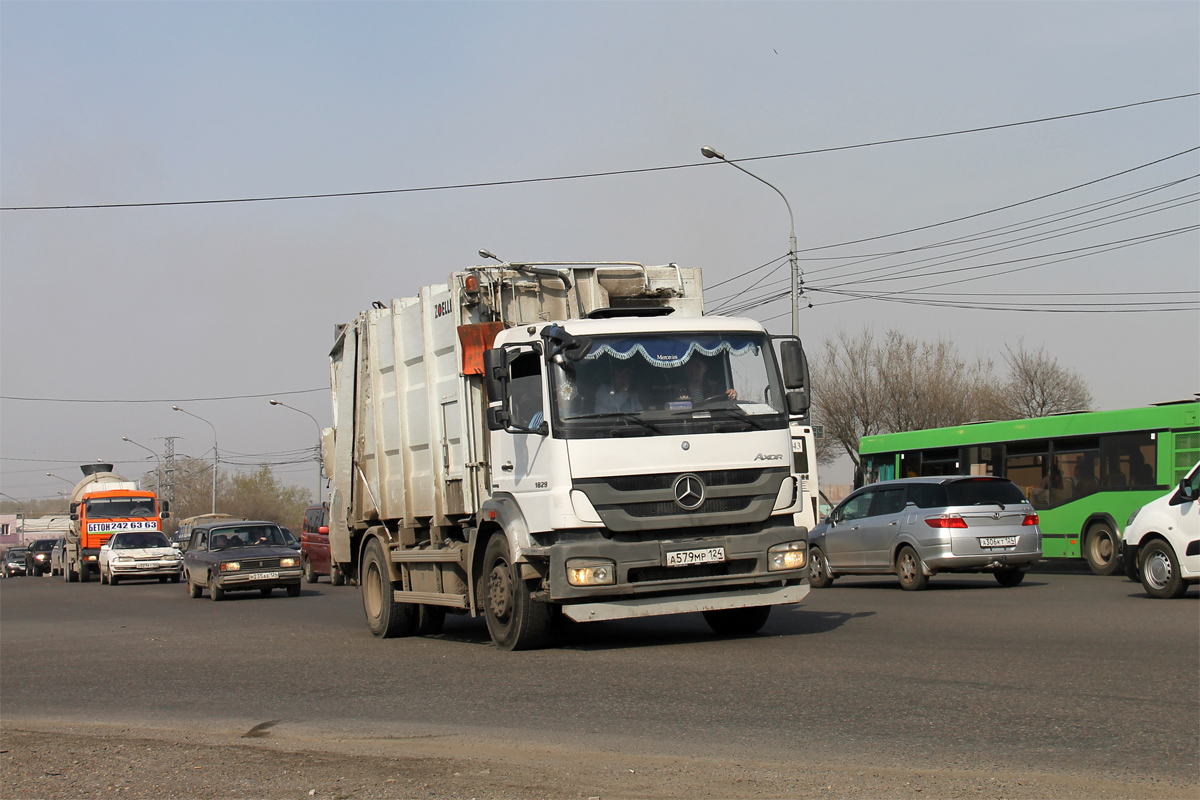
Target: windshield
[[983, 492], [119, 507], [137, 541], [246, 536], [643, 385]]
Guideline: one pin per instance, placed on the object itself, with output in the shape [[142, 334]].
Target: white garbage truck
[[530, 442]]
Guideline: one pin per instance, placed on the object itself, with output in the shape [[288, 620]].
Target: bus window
[[984, 460], [1078, 462], [1128, 459], [1029, 473], [879, 467], [940, 462]]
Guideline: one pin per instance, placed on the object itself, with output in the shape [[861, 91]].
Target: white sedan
[[144, 554]]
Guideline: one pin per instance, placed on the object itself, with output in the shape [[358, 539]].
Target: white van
[[1161, 544]]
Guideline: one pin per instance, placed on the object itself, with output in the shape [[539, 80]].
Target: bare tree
[[1038, 385], [863, 387]]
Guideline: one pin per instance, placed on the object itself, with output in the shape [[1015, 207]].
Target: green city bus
[[1084, 472]]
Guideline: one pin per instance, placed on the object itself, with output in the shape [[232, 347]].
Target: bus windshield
[[654, 384]]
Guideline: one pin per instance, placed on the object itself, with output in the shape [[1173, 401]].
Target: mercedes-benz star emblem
[[689, 492]]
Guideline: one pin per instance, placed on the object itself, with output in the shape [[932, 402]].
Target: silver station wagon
[[918, 527]]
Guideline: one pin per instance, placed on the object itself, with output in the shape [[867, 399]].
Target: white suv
[[1161, 544]]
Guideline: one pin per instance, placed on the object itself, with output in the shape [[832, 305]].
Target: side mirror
[[74, 516], [104, 547], [798, 402], [323, 529], [74, 508], [795, 364], [495, 382], [165, 505], [165, 514]]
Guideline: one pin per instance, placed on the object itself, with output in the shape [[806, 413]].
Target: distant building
[[50, 527]]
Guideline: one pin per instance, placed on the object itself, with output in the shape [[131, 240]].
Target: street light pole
[[61, 478], [320, 470], [158, 487], [709, 152], [216, 453]]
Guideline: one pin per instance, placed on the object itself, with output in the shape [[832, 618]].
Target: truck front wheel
[[737, 621], [385, 617], [515, 620]]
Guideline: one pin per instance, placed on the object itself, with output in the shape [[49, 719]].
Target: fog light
[[90, 558], [789, 555], [230, 566], [288, 562], [591, 572]]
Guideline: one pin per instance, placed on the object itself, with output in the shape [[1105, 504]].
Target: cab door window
[[525, 391]]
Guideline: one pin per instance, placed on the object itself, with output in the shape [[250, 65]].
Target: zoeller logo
[[689, 492], [769, 457]]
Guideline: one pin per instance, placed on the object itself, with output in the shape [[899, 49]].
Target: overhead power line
[[168, 400], [605, 174]]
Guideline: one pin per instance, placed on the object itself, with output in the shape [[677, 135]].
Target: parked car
[[37, 557], [919, 527], [184, 533], [139, 554], [240, 555], [1161, 543], [314, 546], [56, 557], [14, 563]]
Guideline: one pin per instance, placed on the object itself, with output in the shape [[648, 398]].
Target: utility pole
[[169, 467]]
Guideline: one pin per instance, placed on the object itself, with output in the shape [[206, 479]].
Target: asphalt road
[[1068, 675]]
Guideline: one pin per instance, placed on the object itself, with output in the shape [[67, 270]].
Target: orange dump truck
[[102, 504]]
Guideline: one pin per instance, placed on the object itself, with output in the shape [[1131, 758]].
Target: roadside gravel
[[40, 760]]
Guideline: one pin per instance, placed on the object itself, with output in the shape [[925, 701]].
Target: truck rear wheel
[[430, 620], [385, 617], [737, 621], [85, 574], [336, 576], [515, 620]]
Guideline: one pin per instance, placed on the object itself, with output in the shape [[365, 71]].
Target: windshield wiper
[[989, 503], [740, 414], [624, 414]]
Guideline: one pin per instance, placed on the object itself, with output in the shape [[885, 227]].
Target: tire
[[1160, 571], [515, 620], [195, 591], [162, 578], [175, 578], [1129, 563], [103, 577], [818, 569], [85, 573], [737, 621], [68, 575], [293, 590], [113, 580], [1009, 577], [310, 574], [336, 576], [385, 617], [430, 620], [1100, 549], [215, 591], [265, 591], [910, 570]]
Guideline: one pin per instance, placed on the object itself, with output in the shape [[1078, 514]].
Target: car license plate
[[998, 541], [263, 576], [146, 566], [709, 555]]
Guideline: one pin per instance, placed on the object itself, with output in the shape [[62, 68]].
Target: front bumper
[[642, 571], [233, 581], [152, 569]]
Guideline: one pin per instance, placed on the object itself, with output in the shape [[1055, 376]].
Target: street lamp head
[[275, 402], [176, 408], [488, 254], [709, 152], [125, 439]]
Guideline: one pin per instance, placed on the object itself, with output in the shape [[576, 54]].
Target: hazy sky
[[144, 102]]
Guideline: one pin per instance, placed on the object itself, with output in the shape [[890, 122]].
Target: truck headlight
[[230, 566], [591, 572], [90, 558], [289, 562], [789, 555]]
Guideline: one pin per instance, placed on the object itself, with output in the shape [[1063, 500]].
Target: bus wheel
[[737, 621], [1160, 571], [1100, 550]]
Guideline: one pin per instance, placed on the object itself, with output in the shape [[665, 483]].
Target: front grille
[[666, 508], [655, 574], [720, 477], [258, 563]]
